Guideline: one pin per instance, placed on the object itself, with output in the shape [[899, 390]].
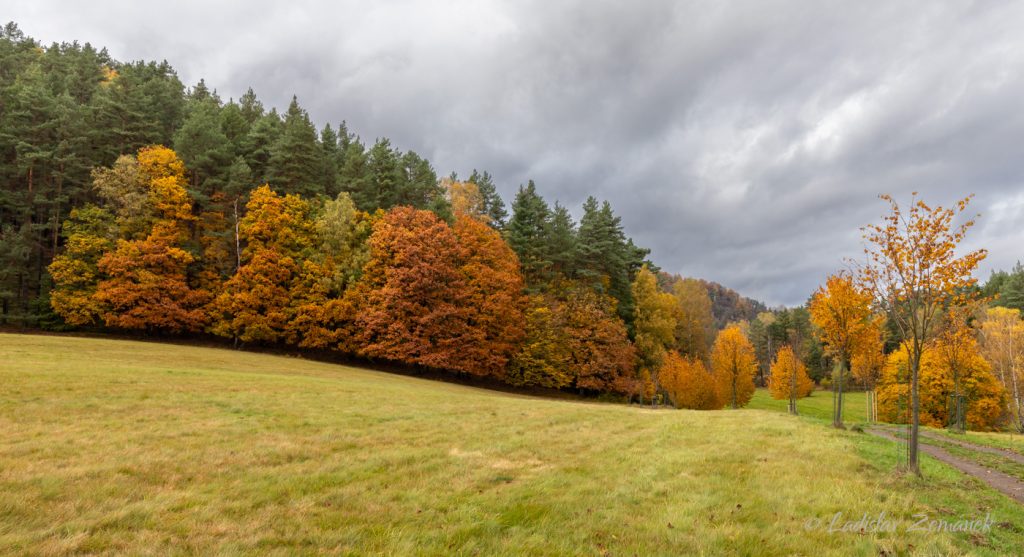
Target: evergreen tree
[[234, 126], [607, 259], [526, 233], [493, 206], [561, 242], [1011, 289], [250, 107], [204, 148], [330, 159], [256, 148], [295, 157]]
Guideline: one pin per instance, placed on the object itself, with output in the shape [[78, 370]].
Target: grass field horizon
[[114, 446]]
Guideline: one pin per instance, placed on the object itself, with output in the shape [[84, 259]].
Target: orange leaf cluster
[[688, 383]]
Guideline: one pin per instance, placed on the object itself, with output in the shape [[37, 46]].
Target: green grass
[[818, 405], [999, 440], [140, 448]]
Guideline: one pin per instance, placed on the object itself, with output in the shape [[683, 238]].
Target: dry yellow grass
[[142, 448]]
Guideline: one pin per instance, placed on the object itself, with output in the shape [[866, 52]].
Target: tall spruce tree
[[607, 259], [493, 205], [295, 157], [526, 233]]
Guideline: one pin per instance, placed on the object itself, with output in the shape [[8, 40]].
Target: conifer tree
[[295, 164]]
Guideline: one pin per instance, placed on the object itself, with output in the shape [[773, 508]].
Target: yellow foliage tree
[[694, 321], [789, 379], [985, 397], [842, 312], [914, 273], [1002, 337], [733, 364], [867, 362], [688, 383], [655, 321]]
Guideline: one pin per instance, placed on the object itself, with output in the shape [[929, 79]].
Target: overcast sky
[[744, 143]]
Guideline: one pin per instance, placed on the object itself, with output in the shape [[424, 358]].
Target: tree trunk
[[837, 417], [238, 249], [792, 393], [915, 412]]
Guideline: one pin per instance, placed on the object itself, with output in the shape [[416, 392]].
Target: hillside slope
[[143, 448]]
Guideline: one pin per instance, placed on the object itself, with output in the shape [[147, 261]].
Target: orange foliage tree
[[601, 358], [914, 273], [492, 293], [789, 379], [733, 364], [439, 297], [842, 312], [147, 280], [688, 383]]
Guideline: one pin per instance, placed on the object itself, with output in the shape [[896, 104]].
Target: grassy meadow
[[119, 447], [818, 405]]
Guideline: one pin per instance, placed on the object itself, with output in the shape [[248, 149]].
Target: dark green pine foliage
[[250, 107], [354, 175], [420, 188], [1011, 289], [234, 126], [295, 164], [199, 94], [527, 232], [47, 148], [330, 161], [240, 181], [143, 104], [493, 207], [256, 148], [385, 178], [607, 260], [561, 243], [204, 148]]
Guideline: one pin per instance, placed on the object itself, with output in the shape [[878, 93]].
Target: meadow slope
[[110, 446]]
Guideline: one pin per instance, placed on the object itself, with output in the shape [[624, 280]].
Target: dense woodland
[[129, 202]]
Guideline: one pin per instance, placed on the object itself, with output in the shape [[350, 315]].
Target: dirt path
[[999, 481], [1005, 453]]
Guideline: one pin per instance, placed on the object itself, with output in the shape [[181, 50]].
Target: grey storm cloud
[[743, 142]]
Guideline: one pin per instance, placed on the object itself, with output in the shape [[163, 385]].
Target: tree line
[[133, 203]]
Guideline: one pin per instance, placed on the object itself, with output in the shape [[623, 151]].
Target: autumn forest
[[133, 204]]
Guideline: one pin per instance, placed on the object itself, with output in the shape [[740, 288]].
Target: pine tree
[[493, 206], [561, 244], [295, 157], [607, 259], [329, 159], [257, 146], [526, 233], [204, 148]]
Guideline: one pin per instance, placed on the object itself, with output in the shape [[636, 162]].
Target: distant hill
[[727, 305]]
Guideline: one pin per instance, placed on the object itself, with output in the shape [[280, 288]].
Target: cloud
[[744, 143]]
